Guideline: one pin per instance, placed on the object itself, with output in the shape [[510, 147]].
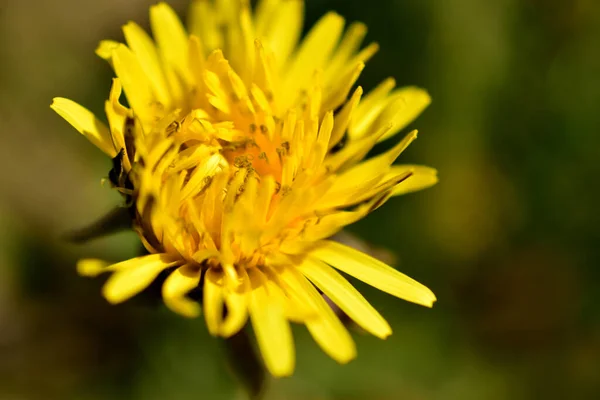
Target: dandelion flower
[[240, 153]]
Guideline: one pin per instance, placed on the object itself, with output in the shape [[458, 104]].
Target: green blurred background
[[509, 240]]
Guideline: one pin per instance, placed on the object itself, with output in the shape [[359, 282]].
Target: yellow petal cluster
[[241, 151]]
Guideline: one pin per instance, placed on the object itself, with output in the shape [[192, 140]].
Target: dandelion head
[[240, 153]]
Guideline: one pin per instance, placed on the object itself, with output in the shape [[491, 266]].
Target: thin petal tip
[[282, 374], [333, 14], [105, 49], [430, 300], [111, 297], [91, 267], [187, 309], [346, 358], [114, 295], [160, 8], [384, 333], [56, 101]]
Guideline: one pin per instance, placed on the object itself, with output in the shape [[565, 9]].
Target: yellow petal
[[201, 175], [353, 185], [263, 14], [373, 272], [271, 328], [117, 114], [297, 306], [422, 177], [353, 152], [264, 197], [197, 60], [203, 22], [263, 72], [213, 301], [179, 89], [342, 119], [240, 39], [237, 312], [293, 310], [105, 49], [338, 92], [135, 82], [332, 336], [379, 193], [351, 41], [145, 50], [369, 108], [405, 105], [92, 267], [326, 227], [340, 82], [175, 288], [86, 123], [319, 151], [327, 329], [313, 53], [171, 37], [134, 275], [342, 293], [282, 28], [287, 277]]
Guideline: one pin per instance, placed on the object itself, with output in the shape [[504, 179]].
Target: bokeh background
[[509, 240]]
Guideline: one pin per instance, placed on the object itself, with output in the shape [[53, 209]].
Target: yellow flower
[[240, 154]]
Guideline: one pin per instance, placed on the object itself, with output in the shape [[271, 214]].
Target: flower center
[[260, 150]]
